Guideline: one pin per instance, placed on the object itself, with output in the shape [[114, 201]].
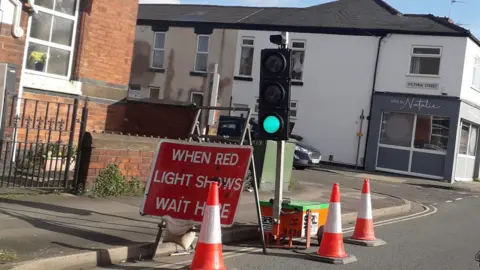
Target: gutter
[[371, 97]]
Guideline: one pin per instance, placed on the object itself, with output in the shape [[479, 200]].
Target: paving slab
[[47, 226]]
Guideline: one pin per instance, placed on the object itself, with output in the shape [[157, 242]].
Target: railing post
[[83, 127], [70, 141]]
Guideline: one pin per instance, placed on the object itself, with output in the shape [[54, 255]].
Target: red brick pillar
[[106, 39]]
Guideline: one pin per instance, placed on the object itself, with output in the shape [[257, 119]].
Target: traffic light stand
[[278, 199]]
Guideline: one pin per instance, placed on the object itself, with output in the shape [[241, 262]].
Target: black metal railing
[[39, 145]]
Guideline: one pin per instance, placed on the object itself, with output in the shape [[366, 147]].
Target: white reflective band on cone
[[365, 209], [210, 233], [334, 218]]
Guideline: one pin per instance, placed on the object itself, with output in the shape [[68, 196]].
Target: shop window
[[428, 132], [397, 129], [468, 139], [431, 133]]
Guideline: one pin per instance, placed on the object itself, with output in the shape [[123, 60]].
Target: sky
[[466, 14]]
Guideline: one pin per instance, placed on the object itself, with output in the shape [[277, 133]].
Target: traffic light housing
[[274, 94]]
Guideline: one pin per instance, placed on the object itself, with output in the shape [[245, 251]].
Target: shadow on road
[[63, 209]]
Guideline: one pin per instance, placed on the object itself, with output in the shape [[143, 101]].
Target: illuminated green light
[[271, 124]]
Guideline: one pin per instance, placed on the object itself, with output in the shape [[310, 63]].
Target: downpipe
[[371, 98]]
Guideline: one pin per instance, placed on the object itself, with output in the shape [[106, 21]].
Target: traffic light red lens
[[275, 63]]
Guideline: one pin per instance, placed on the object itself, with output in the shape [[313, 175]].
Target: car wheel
[[300, 168]]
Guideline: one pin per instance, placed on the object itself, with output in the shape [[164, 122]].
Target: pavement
[[70, 232], [444, 238], [473, 186]]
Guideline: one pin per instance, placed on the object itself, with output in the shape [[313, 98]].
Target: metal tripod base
[[375, 243], [332, 260]]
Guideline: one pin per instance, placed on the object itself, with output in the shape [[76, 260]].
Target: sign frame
[[215, 145]]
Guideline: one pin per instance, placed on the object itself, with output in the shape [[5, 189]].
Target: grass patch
[[7, 256]]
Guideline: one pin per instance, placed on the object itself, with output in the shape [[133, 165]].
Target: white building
[[371, 86], [333, 89]]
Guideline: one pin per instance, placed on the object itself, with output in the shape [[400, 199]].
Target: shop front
[[413, 135], [466, 162]]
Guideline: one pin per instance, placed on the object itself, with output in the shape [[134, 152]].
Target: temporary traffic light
[[274, 96]]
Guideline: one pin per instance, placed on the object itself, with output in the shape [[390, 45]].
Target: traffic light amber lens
[[271, 124], [273, 94]]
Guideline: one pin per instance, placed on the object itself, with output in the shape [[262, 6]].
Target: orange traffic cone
[[331, 248], [363, 234], [208, 252]]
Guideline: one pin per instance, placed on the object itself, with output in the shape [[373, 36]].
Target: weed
[[7, 256], [293, 183], [111, 182], [134, 187]]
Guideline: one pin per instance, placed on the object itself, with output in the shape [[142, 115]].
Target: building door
[[467, 149], [413, 144]]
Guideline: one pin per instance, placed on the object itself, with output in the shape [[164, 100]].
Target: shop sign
[[415, 103]]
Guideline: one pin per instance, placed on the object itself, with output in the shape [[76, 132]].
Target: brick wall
[[134, 117], [11, 49], [107, 33], [133, 155]]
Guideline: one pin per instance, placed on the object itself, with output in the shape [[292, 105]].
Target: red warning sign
[[181, 175]]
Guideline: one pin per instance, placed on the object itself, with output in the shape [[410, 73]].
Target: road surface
[[445, 236]]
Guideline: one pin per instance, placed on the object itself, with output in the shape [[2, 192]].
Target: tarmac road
[[443, 237], [413, 192]]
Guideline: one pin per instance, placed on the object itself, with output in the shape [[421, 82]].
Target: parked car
[[305, 156]]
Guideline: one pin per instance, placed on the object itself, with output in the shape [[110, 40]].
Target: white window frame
[[132, 87], [412, 54], [476, 73], [304, 50], [198, 52], [295, 108], [154, 49], [243, 45], [196, 93], [154, 87], [256, 105], [135, 90], [470, 128], [71, 48]]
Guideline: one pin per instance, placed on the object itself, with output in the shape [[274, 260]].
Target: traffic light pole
[[277, 202]]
